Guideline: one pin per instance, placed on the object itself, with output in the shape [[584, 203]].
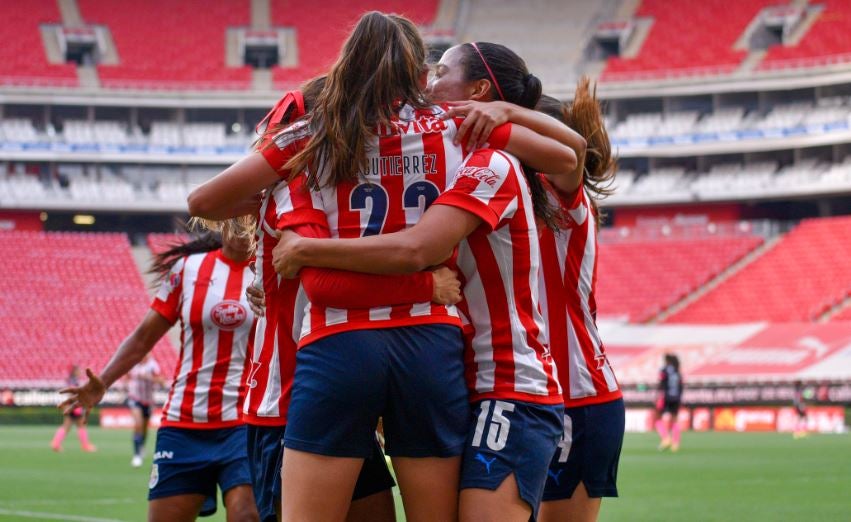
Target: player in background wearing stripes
[[489, 212], [141, 381], [273, 356], [584, 468], [201, 440], [426, 418]]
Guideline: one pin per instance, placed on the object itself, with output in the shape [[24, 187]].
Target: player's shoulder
[[292, 134]]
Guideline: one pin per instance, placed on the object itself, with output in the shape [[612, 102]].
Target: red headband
[[493, 78]]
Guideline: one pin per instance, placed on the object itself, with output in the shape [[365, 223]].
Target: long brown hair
[[585, 116], [380, 67]]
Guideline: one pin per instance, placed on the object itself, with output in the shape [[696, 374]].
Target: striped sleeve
[[298, 205], [167, 301], [485, 187], [285, 145]]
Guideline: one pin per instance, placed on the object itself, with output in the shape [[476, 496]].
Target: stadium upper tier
[[67, 298], [800, 278], [192, 45], [22, 57]]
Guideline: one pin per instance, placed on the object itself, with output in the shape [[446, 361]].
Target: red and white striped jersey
[[568, 280], [141, 381], [508, 355], [409, 164], [206, 292], [272, 357]]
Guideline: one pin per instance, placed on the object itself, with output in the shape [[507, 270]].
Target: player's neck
[[235, 255]]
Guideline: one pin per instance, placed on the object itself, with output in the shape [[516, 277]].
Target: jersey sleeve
[[485, 186], [297, 205], [167, 300], [343, 289], [285, 145]]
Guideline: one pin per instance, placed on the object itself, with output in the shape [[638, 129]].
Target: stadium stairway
[[142, 257], [715, 281]]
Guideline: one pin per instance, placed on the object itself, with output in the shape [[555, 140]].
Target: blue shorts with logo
[[413, 377], [588, 452], [265, 453], [195, 461], [146, 408], [511, 437]]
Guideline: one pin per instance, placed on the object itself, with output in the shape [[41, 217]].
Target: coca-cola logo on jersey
[[228, 315], [480, 174]]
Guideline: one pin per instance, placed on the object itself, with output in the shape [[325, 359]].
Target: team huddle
[[422, 286]]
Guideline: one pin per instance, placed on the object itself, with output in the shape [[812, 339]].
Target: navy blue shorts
[[413, 377], [194, 462], [589, 452], [511, 437], [265, 453], [146, 408]]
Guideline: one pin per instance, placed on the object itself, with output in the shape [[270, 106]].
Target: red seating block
[[22, 56], [167, 44], [825, 42], [639, 279], [801, 277], [67, 298]]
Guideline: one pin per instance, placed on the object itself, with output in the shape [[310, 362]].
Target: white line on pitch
[[54, 516]]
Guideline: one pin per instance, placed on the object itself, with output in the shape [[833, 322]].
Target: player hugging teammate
[[376, 206]]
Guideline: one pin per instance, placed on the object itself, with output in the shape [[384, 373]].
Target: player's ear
[[481, 90]]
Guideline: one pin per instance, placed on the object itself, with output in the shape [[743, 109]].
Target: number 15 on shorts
[[495, 432]]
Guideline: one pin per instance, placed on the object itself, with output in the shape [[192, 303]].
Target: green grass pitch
[[715, 477]]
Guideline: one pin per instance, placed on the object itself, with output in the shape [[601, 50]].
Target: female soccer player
[[140, 397], [273, 356], [73, 416], [371, 124], [201, 441], [584, 469], [668, 403], [800, 406], [490, 209]]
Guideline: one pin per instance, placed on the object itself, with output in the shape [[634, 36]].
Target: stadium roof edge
[[707, 85]]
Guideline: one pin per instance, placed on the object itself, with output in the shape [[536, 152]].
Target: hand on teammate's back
[[447, 287], [480, 119], [284, 256], [87, 395], [256, 300]]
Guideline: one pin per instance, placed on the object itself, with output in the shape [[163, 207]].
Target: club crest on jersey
[[480, 174], [173, 281], [228, 315]]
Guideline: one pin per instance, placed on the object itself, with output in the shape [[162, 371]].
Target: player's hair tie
[[490, 73]]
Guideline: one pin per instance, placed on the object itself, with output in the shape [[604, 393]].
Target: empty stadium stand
[[67, 298], [163, 44], [826, 41], [23, 61], [639, 278], [321, 29], [798, 279], [689, 40]]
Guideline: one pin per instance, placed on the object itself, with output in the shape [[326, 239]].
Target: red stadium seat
[[67, 298], [688, 38], [639, 279], [800, 278], [825, 42], [22, 57], [172, 45]]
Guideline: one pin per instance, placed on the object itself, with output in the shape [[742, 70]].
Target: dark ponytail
[[206, 241], [510, 81], [585, 116]]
